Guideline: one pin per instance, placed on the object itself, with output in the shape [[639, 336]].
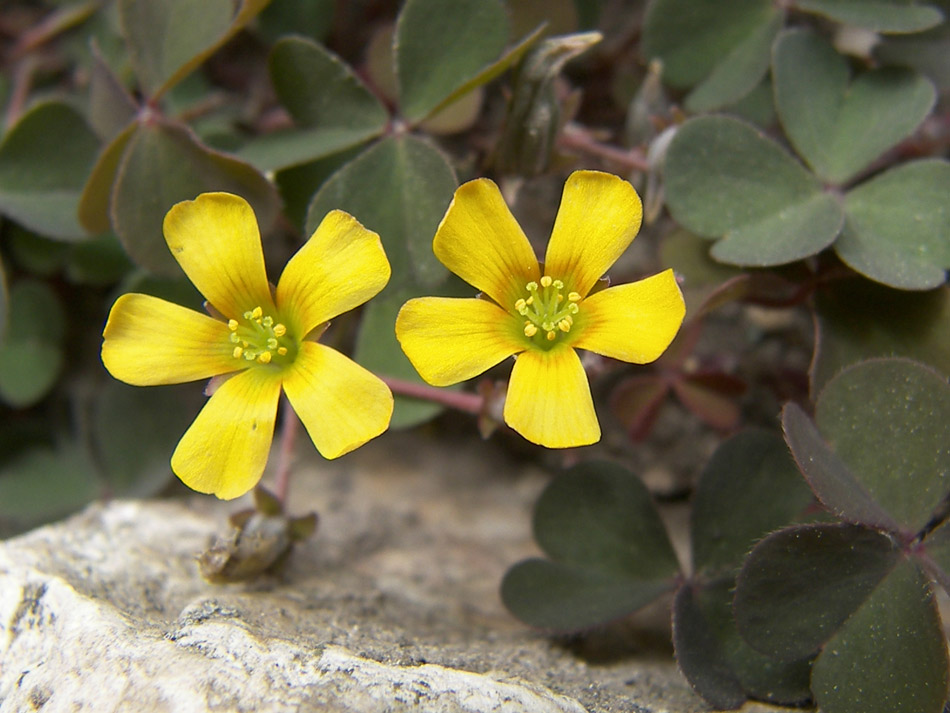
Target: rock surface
[[392, 606]]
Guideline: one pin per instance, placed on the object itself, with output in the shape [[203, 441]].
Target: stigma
[[259, 338], [548, 312]]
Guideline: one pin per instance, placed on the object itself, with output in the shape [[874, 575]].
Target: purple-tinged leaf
[[749, 488], [834, 484], [886, 419], [800, 585], [700, 655], [712, 397], [609, 549], [890, 655], [716, 660], [569, 597], [636, 403]]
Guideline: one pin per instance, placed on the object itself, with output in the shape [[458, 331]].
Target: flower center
[[257, 337], [547, 312]]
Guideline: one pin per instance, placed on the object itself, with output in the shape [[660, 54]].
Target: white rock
[[393, 606]]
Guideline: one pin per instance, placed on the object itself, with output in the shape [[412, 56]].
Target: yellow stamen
[[546, 310], [260, 338]]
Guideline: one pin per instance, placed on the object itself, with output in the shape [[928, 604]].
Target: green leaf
[[44, 161], [750, 487], [313, 18], [378, 350], [726, 180], [111, 107], [876, 15], [897, 229], [28, 370], [839, 126], [611, 554], [295, 147], [320, 90], [399, 188], [31, 357], [167, 40], [100, 261], [890, 656], [926, 52], [44, 484], [858, 319], [324, 96], [510, 58], [163, 164], [800, 585], [740, 71], [135, 431], [93, 209], [692, 37], [4, 304], [906, 406], [441, 46]]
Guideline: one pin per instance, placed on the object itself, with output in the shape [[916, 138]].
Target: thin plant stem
[[579, 139], [289, 426], [458, 400]]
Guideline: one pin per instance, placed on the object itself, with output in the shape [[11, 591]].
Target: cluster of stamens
[[258, 338], [546, 310]]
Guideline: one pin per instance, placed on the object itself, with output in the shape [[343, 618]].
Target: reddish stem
[[574, 137], [459, 400], [290, 425]]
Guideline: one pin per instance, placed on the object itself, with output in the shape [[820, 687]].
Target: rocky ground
[[392, 606]]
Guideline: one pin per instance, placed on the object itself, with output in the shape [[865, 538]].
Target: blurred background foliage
[[792, 157]]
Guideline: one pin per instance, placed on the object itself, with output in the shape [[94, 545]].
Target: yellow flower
[[265, 341], [541, 314]]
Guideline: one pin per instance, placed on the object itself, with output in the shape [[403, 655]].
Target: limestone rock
[[393, 606]]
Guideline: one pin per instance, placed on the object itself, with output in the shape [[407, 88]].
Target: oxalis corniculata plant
[[160, 160]]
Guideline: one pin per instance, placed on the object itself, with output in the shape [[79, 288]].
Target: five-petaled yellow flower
[[541, 313], [265, 340]]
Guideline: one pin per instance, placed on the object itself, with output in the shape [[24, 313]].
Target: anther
[[279, 330], [232, 325], [238, 351], [264, 358], [546, 281], [529, 329]]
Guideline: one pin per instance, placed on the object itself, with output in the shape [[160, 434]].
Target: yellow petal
[[216, 241], [634, 322], [481, 242], [225, 450], [341, 404], [598, 218], [340, 267], [549, 401], [149, 341], [449, 340]]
